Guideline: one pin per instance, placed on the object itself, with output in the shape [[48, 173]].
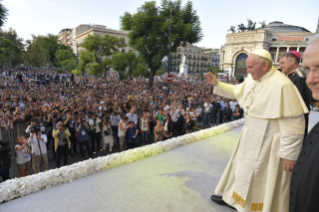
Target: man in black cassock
[[304, 186], [289, 64]]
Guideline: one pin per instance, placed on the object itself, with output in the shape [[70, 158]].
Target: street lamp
[[169, 44]]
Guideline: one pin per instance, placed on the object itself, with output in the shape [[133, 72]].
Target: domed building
[[276, 37]]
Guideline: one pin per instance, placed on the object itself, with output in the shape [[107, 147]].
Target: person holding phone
[[39, 149]]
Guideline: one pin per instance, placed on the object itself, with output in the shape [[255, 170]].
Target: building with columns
[[276, 37]]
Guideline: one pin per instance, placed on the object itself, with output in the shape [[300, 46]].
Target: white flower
[[18, 187]]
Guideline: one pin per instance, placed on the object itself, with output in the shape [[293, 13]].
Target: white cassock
[[254, 179]]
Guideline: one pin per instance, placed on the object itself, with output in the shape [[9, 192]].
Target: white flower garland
[[19, 187]]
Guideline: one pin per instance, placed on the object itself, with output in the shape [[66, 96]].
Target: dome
[[280, 27]]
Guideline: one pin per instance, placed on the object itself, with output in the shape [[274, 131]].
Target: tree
[[215, 70], [129, 63], [149, 31], [41, 50], [3, 14], [66, 59], [97, 53], [8, 51], [16, 57], [36, 55], [141, 71]]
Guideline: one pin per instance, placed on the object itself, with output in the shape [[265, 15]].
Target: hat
[[297, 54], [262, 53]]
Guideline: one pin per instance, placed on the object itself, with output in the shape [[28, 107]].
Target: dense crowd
[[67, 113]]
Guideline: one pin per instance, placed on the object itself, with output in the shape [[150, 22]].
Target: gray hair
[[263, 60], [313, 39], [290, 56]]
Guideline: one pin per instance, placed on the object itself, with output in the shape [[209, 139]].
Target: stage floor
[[180, 180]]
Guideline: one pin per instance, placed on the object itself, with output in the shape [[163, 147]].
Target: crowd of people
[[69, 114]]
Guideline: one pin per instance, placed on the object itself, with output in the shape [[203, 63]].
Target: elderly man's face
[[285, 65], [311, 65], [254, 68]]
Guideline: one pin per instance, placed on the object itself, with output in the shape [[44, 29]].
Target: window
[[179, 49], [274, 39], [185, 50], [190, 50]]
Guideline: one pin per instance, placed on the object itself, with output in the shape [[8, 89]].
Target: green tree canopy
[[66, 59], [149, 30], [41, 50], [215, 70], [8, 52], [97, 53], [3, 14], [130, 62], [15, 58]]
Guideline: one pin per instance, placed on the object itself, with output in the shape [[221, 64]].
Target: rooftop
[[281, 27]]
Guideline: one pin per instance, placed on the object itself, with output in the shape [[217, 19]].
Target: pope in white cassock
[[257, 177]]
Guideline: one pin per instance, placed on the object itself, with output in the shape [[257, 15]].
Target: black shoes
[[219, 200]]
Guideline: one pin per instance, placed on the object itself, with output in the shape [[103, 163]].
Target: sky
[[41, 17]]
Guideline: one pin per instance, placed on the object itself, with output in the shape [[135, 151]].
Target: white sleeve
[[292, 135], [28, 129], [45, 138]]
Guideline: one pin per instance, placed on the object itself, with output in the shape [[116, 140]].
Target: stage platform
[[179, 180]]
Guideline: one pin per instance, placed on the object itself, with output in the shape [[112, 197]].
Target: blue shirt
[[83, 133], [131, 132], [222, 105]]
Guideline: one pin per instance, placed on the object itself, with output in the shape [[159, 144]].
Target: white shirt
[[23, 155], [28, 130], [97, 124], [121, 133], [35, 144], [132, 118], [193, 115], [207, 107], [115, 120], [166, 107], [199, 111], [232, 105], [176, 115]]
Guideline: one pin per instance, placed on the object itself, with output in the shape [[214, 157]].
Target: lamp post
[[169, 44]]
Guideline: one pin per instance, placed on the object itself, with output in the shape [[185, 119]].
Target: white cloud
[[20, 4]]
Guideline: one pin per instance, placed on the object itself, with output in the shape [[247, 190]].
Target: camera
[[32, 128]]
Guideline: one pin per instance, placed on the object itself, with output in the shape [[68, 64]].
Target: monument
[[183, 68]]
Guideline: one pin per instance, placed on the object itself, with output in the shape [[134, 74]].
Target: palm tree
[[3, 14]]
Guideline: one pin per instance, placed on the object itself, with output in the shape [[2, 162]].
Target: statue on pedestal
[[184, 60], [183, 68]]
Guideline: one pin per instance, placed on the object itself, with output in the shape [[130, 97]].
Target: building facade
[[197, 60], [276, 37], [65, 37], [75, 37], [215, 59]]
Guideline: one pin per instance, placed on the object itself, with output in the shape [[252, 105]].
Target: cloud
[[20, 4]]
